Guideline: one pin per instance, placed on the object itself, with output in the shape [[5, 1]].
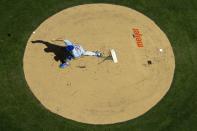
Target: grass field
[[21, 111]]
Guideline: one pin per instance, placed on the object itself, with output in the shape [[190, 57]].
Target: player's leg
[[92, 53], [89, 53]]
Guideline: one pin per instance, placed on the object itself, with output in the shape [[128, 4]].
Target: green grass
[[21, 111]]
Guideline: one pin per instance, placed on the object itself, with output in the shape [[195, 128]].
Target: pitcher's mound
[[94, 90]]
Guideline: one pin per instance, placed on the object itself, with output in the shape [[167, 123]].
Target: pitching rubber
[[113, 54]]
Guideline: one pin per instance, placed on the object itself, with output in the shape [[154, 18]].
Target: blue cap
[[69, 47]]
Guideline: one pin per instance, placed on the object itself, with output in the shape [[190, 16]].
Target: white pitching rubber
[[113, 54]]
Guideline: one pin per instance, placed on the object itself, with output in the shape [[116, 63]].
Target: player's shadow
[[59, 51]]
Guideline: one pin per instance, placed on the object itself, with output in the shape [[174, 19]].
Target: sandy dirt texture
[[91, 90]]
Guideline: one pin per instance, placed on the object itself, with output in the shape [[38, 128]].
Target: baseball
[[34, 32], [161, 50]]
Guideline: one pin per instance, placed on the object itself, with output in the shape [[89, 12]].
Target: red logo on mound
[[138, 37]]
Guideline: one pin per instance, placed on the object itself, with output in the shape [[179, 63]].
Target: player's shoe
[[63, 65], [98, 54]]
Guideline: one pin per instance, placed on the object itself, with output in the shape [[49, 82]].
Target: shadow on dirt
[[59, 51]]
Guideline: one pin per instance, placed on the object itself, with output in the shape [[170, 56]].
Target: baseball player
[[76, 51]]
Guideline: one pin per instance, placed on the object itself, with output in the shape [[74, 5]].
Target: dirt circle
[[93, 90]]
